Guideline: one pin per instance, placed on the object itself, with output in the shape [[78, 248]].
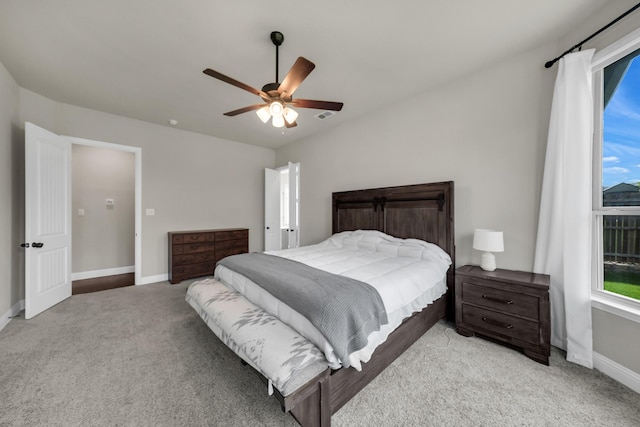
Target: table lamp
[[488, 241]]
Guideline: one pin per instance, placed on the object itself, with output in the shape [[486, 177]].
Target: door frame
[[137, 152]]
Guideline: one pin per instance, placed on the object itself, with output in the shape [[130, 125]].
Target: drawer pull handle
[[496, 323], [503, 301]]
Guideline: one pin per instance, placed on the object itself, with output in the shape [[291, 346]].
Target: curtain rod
[[549, 64]]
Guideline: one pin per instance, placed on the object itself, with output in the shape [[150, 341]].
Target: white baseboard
[[102, 273], [616, 371], [154, 279], [6, 317]]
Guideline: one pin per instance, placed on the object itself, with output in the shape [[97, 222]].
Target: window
[[616, 213]]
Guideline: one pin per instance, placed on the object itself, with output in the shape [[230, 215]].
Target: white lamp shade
[[264, 114], [277, 121], [276, 109], [290, 115], [488, 240]]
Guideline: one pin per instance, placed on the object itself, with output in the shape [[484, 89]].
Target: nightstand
[[511, 307]]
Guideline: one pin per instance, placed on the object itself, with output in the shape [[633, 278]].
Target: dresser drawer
[[500, 299], [193, 270], [193, 258], [188, 238], [514, 327], [226, 244], [231, 234], [191, 248]]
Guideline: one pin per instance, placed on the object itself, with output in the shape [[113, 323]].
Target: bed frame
[[423, 211]]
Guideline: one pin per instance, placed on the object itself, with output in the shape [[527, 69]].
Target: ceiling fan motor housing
[[271, 87], [277, 38]]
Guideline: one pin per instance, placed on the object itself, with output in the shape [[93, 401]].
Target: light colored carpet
[[141, 356]]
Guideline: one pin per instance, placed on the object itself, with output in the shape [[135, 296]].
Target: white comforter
[[408, 274]]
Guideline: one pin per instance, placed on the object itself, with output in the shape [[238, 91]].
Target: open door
[[272, 235], [294, 205], [47, 219]]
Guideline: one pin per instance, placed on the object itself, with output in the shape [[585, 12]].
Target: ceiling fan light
[[264, 114], [276, 108], [277, 121], [290, 115]]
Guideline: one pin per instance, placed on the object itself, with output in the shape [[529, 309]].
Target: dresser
[[510, 307], [195, 253]]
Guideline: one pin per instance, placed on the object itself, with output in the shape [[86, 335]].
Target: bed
[[319, 383]]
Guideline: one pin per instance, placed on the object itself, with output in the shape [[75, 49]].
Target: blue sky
[[621, 139]]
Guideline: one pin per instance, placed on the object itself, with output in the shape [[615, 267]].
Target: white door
[[47, 219], [272, 233], [294, 205]]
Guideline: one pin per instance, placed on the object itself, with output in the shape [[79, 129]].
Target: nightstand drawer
[[502, 324], [498, 299]]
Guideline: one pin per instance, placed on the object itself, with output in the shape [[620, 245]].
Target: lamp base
[[488, 262]]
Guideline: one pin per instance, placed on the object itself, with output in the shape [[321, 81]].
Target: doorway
[[103, 218], [282, 207], [111, 205]]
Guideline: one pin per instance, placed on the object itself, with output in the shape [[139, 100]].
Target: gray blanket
[[344, 310]]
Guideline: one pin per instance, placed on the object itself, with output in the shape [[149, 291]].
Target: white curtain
[[564, 227]]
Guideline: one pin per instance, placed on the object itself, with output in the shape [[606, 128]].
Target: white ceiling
[[144, 58]]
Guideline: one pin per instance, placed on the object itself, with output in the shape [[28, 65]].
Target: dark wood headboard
[[421, 211]]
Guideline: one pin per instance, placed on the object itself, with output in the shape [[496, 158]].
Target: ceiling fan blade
[[234, 82], [295, 76], [320, 105], [244, 110], [290, 125]]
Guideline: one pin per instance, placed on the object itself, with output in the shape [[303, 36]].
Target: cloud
[[611, 159], [620, 150], [615, 170], [622, 105]]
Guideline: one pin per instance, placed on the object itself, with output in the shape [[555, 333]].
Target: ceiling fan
[[278, 97]]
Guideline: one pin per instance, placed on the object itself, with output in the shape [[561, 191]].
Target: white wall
[[192, 181], [11, 220], [486, 132], [104, 237]]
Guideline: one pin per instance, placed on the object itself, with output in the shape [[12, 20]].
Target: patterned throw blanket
[[344, 310]]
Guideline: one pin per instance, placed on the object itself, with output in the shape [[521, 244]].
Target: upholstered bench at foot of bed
[[272, 348]]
